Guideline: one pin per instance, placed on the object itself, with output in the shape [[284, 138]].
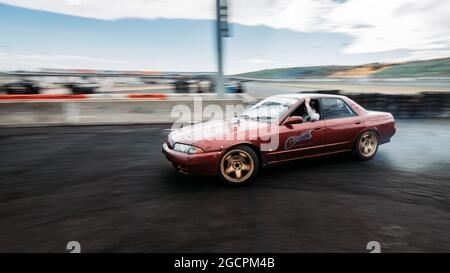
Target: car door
[[301, 140], [342, 124]]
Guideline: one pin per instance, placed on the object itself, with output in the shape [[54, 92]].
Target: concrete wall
[[80, 112]]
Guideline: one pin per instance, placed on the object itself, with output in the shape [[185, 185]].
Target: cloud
[[391, 25], [424, 55], [119, 9], [374, 25]]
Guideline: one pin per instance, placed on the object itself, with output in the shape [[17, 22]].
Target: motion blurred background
[[124, 64]]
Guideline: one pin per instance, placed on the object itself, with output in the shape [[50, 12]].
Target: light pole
[[221, 31]]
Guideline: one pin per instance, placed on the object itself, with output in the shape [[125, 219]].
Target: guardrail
[[109, 96], [83, 96]]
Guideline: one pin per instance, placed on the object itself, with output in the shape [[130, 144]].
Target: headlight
[[188, 149], [170, 140]]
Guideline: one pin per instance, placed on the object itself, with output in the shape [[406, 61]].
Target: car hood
[[218, 134]]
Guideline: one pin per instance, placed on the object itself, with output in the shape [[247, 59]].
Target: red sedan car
[[275, 130]]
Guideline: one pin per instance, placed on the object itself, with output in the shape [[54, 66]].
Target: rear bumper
[[387, 134], [197, 164]]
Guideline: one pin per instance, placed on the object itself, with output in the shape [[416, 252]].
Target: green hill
[[426, 68], [296, 72]]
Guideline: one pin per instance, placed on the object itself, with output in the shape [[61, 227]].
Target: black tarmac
[[111, 189]]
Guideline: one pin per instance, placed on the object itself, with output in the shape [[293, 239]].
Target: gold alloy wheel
[[368, 144], [237, 166]]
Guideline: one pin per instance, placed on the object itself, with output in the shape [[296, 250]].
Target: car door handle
[[317, 129], [358, 122]]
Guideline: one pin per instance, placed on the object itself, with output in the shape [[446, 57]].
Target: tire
[[239, 165], [366, 145]]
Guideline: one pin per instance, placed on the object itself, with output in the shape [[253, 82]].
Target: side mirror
[[293, 120]]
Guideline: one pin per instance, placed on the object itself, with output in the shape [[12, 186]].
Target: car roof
[[311, 95]]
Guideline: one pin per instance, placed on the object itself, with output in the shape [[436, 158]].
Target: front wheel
[[366, 145], [239, 165]]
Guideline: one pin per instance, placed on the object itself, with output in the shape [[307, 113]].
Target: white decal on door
[[294, 140]]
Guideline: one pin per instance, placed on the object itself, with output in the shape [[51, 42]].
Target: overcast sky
[[177, 35]]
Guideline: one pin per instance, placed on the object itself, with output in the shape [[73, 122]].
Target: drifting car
[[344, 126]]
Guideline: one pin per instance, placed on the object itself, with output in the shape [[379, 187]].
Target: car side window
[[301, 109], [335, 108]]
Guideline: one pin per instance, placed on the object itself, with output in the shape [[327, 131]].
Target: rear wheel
[[239, 165], [366, 145]]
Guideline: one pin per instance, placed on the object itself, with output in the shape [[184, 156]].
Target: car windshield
[[269, 110]]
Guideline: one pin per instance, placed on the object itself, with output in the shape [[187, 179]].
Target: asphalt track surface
[[111, 189]]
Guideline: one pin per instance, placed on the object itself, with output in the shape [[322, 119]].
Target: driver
[[312, 114]]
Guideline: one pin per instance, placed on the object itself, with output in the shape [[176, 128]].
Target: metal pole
[[220, 80]]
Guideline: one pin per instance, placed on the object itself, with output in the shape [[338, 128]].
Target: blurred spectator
[[212, 86], [239, 88], [182, 85], [199, 87]]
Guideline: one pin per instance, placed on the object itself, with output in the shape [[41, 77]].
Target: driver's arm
[[311, 112]]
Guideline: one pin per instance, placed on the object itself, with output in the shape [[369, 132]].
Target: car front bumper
[[197, 164]]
